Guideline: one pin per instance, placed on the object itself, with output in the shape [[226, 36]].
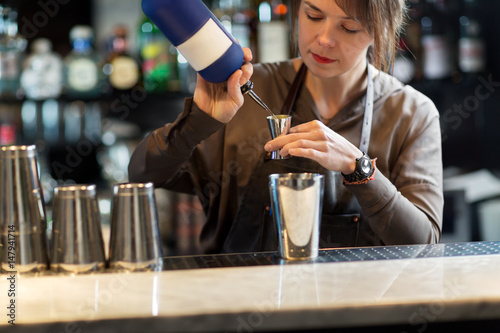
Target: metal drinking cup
[[296, 200], [77, 245], [22, 213], [135, 242]]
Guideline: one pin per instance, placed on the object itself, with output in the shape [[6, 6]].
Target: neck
[[333, 94]]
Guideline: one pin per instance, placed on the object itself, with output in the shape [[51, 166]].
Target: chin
[[323, 72]]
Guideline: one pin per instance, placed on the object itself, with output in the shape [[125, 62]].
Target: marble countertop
[[313, 295]]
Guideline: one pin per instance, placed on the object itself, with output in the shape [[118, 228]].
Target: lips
[[322, 60]]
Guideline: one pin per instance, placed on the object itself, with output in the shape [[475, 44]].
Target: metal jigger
[[135, 242], [22, 212], [77, 245], [278, 126]]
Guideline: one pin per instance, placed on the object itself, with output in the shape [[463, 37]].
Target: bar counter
[[416, 288]]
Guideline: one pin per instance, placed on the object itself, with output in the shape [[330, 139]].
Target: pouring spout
[[247, 89]]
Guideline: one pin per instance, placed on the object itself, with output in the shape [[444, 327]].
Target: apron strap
[[368, 116], [294, 90]]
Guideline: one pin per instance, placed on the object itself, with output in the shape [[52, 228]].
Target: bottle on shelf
[[471, 46], [158, 58], [9, 123], [41, 77], [436, 45], [12, 46], [83, 75], [121, 68], [273, 31]]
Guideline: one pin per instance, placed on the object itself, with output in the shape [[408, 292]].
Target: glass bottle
[[158, 58], [41, 77], [83, 74], [12, 46], [471, 46], [9, 123], [122, 69], [436, 46]]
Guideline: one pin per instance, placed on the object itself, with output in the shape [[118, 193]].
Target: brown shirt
[[402, 205]]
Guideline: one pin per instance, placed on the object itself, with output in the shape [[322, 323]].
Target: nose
[[326, 37]]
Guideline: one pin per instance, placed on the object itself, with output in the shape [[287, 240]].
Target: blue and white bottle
[[198, 35]]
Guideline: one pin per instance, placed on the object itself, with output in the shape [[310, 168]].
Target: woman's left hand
[[318, 142]]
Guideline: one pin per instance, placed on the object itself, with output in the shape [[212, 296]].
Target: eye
[[350, 31], [314, 18]]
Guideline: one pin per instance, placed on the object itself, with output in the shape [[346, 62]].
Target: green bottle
[[159, 59]]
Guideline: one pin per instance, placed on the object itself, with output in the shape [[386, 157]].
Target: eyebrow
[[313, 7]]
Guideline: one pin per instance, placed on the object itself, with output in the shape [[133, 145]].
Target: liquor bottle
[[8, 123], [273, 32], [198, 35], [12, 46], [41, 77], [158, 58], [471, 46], [122, 69], [437, 55], [7, 134], [83, 74]]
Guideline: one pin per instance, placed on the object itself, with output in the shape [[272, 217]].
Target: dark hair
[[383, 19]]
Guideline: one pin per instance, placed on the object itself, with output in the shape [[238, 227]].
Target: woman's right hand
[[221, 101]]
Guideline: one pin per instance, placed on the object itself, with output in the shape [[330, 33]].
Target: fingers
[[247, 54], [306, 136], [306, 153], [280, 141], [247, 69], [300, 147], [307, 127], [234, 87]]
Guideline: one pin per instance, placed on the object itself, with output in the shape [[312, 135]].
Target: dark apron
[[254, 230]]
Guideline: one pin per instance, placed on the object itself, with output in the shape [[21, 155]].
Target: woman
[[345, 114]]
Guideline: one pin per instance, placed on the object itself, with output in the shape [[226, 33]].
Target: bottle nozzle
[[247, 89]]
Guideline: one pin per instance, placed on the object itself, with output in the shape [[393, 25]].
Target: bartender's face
[[330, 42]]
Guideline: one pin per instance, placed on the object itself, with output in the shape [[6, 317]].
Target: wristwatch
[[363, 172]]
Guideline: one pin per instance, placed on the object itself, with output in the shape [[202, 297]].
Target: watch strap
[[357, 177]]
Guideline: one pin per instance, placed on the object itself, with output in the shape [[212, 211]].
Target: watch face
[[365, 165]]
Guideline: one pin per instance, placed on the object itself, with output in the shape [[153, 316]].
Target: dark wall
[[470, 105], [53, 19]]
